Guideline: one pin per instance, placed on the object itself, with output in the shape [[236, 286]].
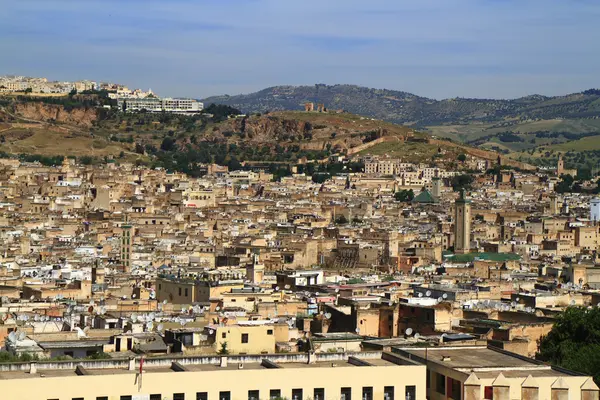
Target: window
[[410, 392], [224, 395], [296, 394], [274, 394], [428, 377], [180, 291], [244, 338], [319, 394], [202, 396], [125, 398], [269, 331], [253, 395], [388, 393], [488, 393], [346, 393], [101, 398], [454, 388], [367, 393], [155, 397], [224, 335], [186, 292], [178, 396], [77, 398], [440, 383]]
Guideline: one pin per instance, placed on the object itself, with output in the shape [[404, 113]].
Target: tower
[[126, 245], [553, 204], [595, 210], [560, 166], [462, 224], [436, 189]]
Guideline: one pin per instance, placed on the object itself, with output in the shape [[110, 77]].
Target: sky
[[198, 48]]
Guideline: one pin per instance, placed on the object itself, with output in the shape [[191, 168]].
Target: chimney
[[33, 368], [472, 388], [501, 388], [589, 390], [559, 390], [530, 390]]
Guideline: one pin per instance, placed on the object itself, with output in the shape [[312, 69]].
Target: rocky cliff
[[37, 111]]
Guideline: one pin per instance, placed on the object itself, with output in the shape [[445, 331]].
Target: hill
[[406, 108], [76, 127]]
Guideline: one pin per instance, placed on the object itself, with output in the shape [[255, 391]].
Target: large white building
[[154, 104]]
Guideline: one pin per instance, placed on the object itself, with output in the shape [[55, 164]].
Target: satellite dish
[[217, 308], [328, 315], [22, 335], [92, 302], [32, 298], [573, 302], [337, 290], [417, 335], [357, 330], [160, 327], [12, 336], [133, 296], [428, 293], [276, 288], [408, 331], [440, 299], [134, 317], [165, 301], [210, 332], [420, 294], [36, 318], [445, 296], [287, 287]]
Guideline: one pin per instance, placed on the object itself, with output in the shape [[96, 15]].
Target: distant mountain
[[407, 108]]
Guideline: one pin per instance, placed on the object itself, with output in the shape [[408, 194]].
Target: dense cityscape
[[446, 278]]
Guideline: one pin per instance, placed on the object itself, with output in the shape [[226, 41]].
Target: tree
[[404, 195], [341, 220], [462, 157], [460, 182], [168, 144], [574, 341], [223, 350]]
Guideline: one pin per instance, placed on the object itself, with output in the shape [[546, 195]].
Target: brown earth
[[80, 117]]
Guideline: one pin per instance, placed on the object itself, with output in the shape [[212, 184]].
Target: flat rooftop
[[207, 363], [485, 361]]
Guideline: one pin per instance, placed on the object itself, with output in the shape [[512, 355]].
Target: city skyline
[[434, 49]]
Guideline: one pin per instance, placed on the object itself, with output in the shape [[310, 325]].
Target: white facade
[[595, 209]]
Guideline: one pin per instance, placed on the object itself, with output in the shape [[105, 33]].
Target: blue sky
[[198, 48]]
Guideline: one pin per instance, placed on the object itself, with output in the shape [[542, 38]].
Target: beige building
[[368, 376]]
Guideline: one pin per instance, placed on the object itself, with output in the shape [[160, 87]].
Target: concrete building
[[368, 376]]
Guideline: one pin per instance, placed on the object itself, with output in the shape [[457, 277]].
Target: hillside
[[406, 108], [72, 127]]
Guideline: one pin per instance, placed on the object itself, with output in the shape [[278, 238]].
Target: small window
[[224, 395], [367, 393], [202, 396], [104, 398], [440, 383], [388, 393], [269, 331], [296, 394], [159, 286], [178, 396], [244, 338], [319, 394], [411, 393], [155, 397], [274, 394], [77, 398], [125, 398], [186, 292], [346, 393], [253, 395], [180, 291], [223, 335]]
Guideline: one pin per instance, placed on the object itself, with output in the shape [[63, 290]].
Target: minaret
[[553, 204], [462, 224], [436, 189], [560, 166], [126, 245]]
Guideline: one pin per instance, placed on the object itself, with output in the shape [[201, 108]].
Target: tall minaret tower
[[560, 166], [462, 225]]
